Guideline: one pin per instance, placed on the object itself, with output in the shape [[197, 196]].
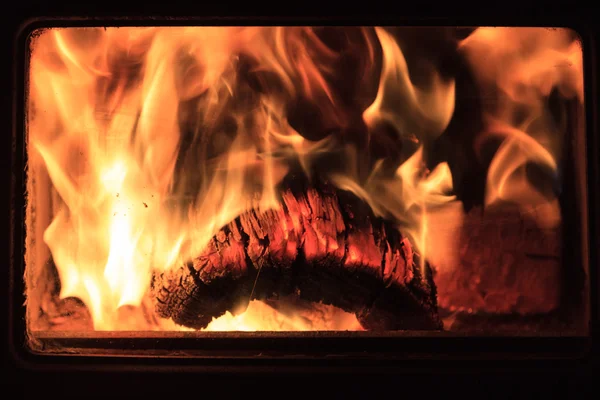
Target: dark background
[[425, 377]]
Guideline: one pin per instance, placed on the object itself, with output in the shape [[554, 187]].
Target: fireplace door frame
[[274, 351]]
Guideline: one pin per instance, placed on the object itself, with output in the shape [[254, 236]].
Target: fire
[[412, 195], [106, 117], [424, 112], [262, 317], [522, 67], [155, 138]]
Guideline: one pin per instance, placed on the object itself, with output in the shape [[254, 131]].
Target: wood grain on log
[[322, 245]]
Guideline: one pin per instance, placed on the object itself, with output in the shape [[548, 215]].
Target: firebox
[[195, 190]]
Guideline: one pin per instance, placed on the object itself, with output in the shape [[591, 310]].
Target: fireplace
[[251, 191]]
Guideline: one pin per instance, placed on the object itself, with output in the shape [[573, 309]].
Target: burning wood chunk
[[407, 280], [207, 285], [506, 264], [272, 248], [323, 246]]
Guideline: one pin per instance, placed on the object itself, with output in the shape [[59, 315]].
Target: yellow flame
[[104, 117], [262, 317]]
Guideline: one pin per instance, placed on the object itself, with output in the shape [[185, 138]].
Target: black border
[[564, 353]]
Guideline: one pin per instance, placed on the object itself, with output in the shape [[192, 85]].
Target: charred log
[[507, 264], [322, 245]]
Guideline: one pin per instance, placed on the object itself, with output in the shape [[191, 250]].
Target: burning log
[[506, 264], [321, 245]]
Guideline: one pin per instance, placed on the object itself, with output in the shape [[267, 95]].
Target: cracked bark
[[323, 245]]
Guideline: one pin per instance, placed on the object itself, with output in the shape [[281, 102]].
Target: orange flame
[[523, 66], [412, 196], [424, 112]]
